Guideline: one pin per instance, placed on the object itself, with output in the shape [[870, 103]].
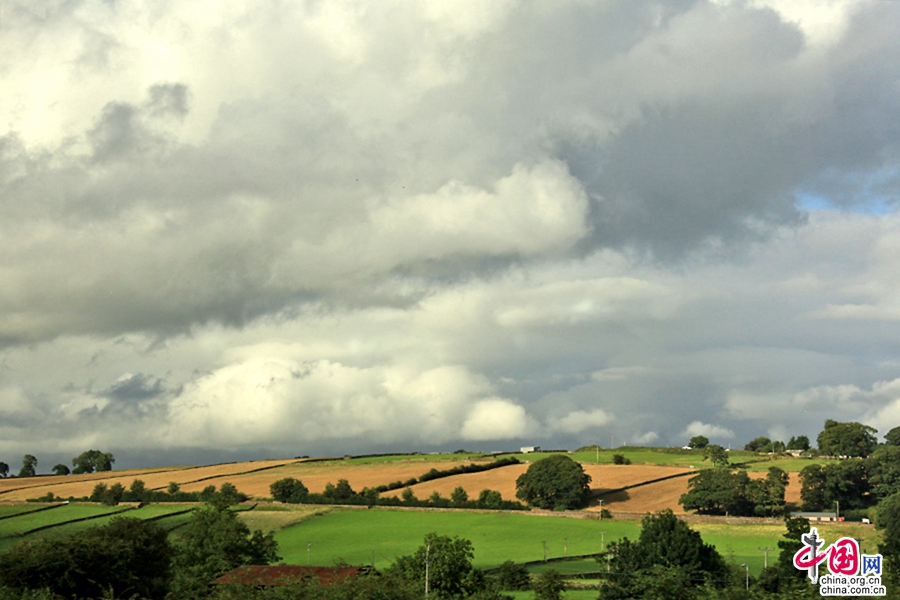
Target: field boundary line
[[171, 514], [57, 478], [31, 512], [69, 522], [648, 482], [294, 462]]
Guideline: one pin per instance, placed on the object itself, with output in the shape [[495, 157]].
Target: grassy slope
[[354, 534]]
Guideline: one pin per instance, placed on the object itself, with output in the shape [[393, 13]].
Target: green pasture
[[570, 567], [145, 512], [25, 522], [788, 464], [636, 454], [741, 544], [365, 460], [676, 457], [353, 535], [7, 510], [275, 517]]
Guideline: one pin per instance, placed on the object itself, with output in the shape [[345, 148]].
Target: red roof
[[286, 575]]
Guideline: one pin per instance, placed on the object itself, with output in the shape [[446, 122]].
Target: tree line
[[292, 491], [86, 462], [867, 474]]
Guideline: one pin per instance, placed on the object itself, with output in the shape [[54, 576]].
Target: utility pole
[[545, 549], [747, 573], [308, 546], [566, 547], [602, 539], [766, 559], [427, 562], [601, 508]]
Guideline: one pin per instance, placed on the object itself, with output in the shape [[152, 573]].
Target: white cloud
[[580, 420], [496, 419], [282, 401], [708, 430], [645, 439]]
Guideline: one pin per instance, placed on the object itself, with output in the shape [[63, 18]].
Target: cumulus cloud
[[580, 420], [646, 439], [708, 430], [428, 223], [496, 419]]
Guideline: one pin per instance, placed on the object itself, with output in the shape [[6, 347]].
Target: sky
[[248, 229]]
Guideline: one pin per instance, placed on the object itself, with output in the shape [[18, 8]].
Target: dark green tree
[[490, 499], [173, 488], [4, 469], [459, 496], [113, 495], [716, 454], [60, 469], [699, 442], [92, 460], [883, 468], [847, 439], [137, 491], [341, 492], [556, 482], [289, 490], [127, 558], [758, 444], [214, 542], [449, 565], [893, 436], [29, 465], [768, 497], [845, 482], [99, 492], [801, 442], [719, 492], [549, 585], [887, 519], [228, 495], [512, 576], [665, 542]]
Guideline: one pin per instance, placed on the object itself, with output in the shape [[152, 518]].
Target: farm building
[[529, 449]]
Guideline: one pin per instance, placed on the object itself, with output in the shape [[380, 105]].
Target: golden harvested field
[[275, 517], [502, 480], [83, 485], [315, 475], [648, 498], [665, 494]]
